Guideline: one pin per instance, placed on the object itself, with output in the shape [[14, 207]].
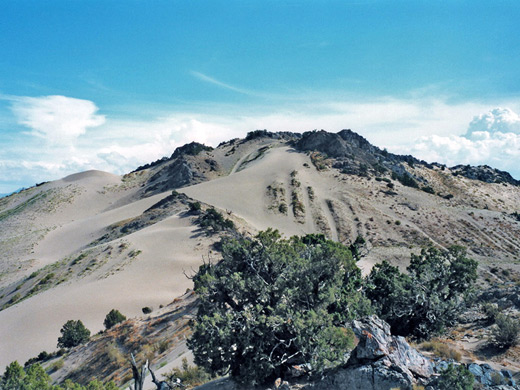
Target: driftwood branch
[[161, 385], [138, 375]]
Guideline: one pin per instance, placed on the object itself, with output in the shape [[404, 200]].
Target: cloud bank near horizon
[[492, 138], [67, 135]]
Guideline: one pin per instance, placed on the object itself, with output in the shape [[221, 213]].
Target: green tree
[[13, 376], [271, 303], [506, 332], [73, 333], [112, 318], [428, 298], [69, 385], [455, 378], [37, 379], [34, 377]]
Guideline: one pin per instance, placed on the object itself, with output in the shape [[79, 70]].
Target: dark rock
[[484, 173], [178, 174], [503, 297], [364, 377], [281, 135], [343, 144], [379, 361], [191, 149]]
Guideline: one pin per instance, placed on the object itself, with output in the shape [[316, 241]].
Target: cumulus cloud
[[492, 138], [57, 119], [498, 120]]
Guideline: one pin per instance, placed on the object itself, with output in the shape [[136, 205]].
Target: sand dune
[[167, 248], [155, 277], [93, 174], [71, 237], [243, 191]]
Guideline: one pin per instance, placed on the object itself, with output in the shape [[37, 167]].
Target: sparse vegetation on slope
[[188, 375], [212, 221], [507, 331]]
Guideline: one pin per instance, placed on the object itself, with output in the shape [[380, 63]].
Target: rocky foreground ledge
[[381, 361]]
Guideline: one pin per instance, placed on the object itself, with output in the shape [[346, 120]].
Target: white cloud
[[492, 138], [57, 119], [211, 80], [498, 120]]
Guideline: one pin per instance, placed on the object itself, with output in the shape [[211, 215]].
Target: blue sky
[[111, 85]]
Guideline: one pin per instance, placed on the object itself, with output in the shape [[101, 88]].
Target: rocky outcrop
[[329, 143], [484, 173], [176, 175], [191, 149], [380, 361], [504, 297], [353, 154], [487, 376], [281, 135]]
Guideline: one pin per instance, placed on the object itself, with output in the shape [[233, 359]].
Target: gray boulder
[[487, 376], [380, 361]]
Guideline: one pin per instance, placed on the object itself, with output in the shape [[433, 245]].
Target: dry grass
[[441, 350]]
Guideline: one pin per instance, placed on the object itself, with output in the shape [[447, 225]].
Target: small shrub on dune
[[507, 332], [73, 333], [114, 317]]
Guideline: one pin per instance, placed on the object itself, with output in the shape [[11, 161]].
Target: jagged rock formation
[[484, 173], [379, 361]]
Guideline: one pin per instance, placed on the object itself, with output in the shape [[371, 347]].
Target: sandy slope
[[47, 222], [168, 248], [243, 192], [155, 277], [72, 236]]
